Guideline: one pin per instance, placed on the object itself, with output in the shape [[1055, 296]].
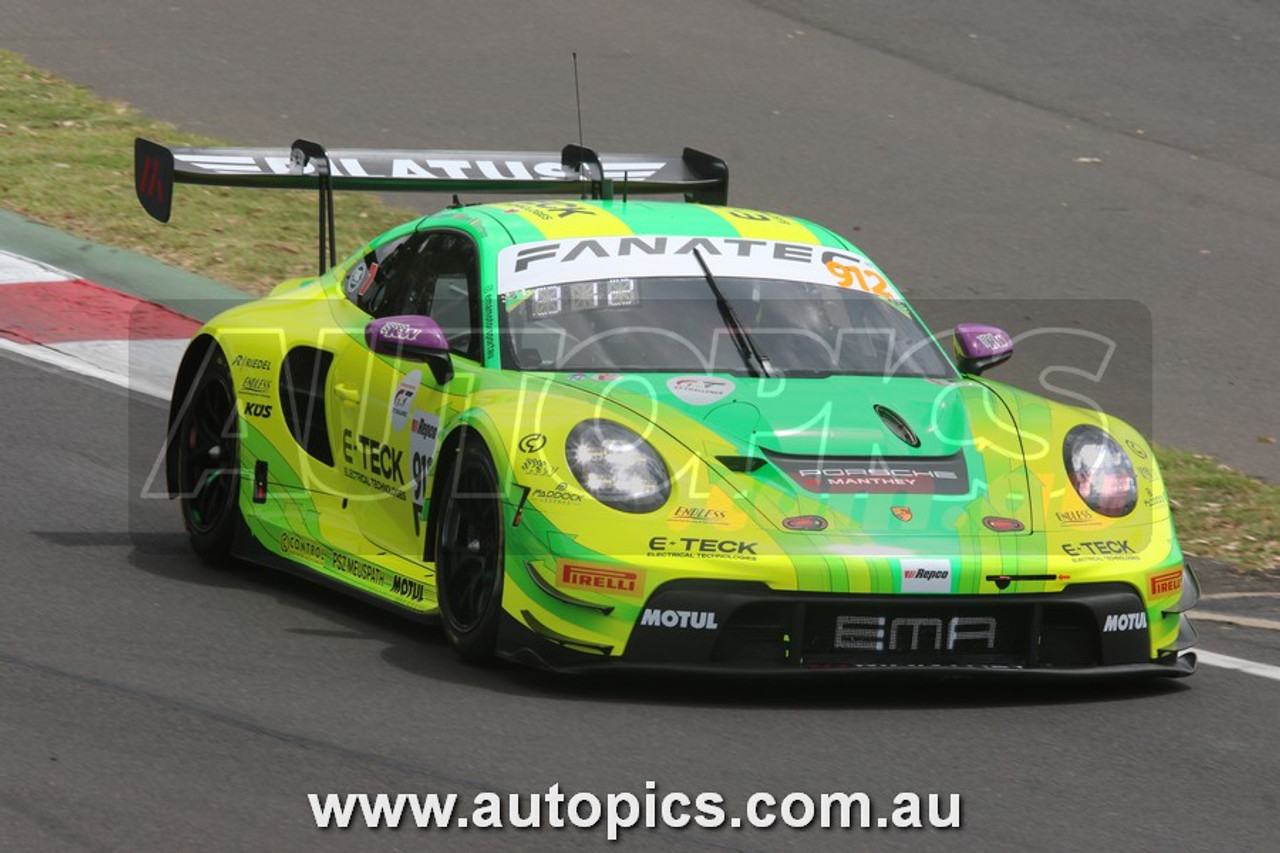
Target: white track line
[[1262, 670], [71, 364], [15, 269]]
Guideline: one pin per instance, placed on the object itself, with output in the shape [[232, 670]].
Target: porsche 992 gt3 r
[[599, 430]]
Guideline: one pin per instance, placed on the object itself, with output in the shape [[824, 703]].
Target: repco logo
[[1124, 622], [257, 410], [697, 513]]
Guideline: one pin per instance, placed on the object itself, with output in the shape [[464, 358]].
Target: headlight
[[1100, 470], [617, 467]]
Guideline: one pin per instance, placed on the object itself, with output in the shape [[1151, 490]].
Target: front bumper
[[748, 628]]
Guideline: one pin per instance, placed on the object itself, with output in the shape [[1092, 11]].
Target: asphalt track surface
[[150, 702]]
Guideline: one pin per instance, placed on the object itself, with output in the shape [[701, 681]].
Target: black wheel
[[208, 459], [469, 554]]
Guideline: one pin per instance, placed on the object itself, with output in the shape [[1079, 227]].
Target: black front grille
[[987, 631], [910, 633], [757, 635], [1068, 637]]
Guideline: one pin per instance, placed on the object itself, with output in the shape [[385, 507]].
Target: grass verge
[[1220, 512], [66, 159]]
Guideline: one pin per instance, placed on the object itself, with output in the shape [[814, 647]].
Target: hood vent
[[741, 464], [897, 426]]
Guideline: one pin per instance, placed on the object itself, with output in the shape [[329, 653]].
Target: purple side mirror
[[980, 347], [412, 337]]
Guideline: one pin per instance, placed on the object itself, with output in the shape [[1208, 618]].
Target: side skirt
[[248, 549]]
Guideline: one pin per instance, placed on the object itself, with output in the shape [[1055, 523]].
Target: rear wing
[[573, 171]]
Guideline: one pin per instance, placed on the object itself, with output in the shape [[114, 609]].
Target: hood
[[867, 454]]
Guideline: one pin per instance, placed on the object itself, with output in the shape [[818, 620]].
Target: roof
[[533, 221]]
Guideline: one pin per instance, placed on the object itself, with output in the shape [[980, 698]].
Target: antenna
[[577, 97]]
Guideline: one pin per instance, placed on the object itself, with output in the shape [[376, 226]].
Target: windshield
[[672, 324]]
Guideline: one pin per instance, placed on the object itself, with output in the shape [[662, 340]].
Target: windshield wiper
[[751, 355]]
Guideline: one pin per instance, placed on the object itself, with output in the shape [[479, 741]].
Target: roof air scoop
[[898, 426]]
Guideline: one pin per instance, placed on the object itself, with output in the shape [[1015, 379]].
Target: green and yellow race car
[[600, 430]]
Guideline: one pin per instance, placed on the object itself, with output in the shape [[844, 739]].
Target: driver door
[[391, 408]]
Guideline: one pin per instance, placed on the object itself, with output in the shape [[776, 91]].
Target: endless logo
[[699, 514]]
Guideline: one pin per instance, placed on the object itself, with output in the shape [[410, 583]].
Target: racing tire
[[469, 554], [208, 459]]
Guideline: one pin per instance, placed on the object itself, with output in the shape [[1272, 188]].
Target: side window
[[358, 285], [433, 273], [377, 284], [448, 291]]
